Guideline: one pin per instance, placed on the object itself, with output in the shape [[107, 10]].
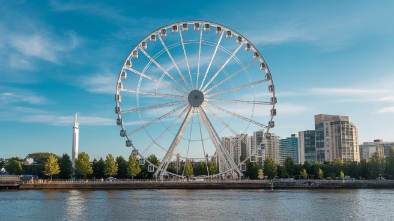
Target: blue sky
[[59, 57]]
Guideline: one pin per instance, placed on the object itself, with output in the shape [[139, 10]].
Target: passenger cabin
[[129, 143], [239, 39], [196, 26], [218, 29], [185, 27], [273, 100], [123, 75], [207, 27], [256, 55], [268, 77], [151, 168], [134, 152], [153, 38], [268, 135], [253, 158], [119, 121], [141, 161], [263, 66], [273, 112], [260, 153], [118, 98], [144, 45], [248, 47], [120, 86], [228, 34], [122, 133], [128, 64], [242, 167], [271, 124], [117, 110], [135, 54], [163, 32], [175, 28], [271, 88]]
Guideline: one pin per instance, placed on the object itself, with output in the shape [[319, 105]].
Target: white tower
[[75, 140]]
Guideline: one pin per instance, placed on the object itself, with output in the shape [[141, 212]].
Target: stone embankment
[[244, 184]]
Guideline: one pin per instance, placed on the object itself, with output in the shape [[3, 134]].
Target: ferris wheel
[[186, 86]]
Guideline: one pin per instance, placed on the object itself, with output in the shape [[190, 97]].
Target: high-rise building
[[336, 137], [288, 148], [272, 147], [306, 146], [237, 146], [367, 149]]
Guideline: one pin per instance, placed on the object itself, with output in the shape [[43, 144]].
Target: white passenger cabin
[[128, 143]]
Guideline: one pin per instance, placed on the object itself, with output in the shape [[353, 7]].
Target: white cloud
[[345, 91], [386, 110], [22, 96], [68, 120]]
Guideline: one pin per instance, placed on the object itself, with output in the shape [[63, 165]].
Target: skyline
[[322, 62]]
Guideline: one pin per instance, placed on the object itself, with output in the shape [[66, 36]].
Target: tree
[[188, 169], [289, 165], [110, 166], [270, 168], [40, 157], [308, 167], [342, 175], [51, 166], [390, 163], [304, 174], [122, 167], [83, 166], [66, 167], [320, 174], [13, 167], [377, 166], [133, 167], [201, 168], [213, 168], [98, 168], [261, 174], [282, 172], [364, 168]]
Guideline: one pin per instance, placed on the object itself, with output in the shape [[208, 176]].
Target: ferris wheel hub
[[196, 98]]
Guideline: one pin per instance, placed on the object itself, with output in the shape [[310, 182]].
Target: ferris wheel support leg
[[223, 153], [167, 158]]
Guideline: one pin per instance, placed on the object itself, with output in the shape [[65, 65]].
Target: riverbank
[[247, 184]]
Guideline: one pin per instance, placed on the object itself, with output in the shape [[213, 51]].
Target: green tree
[[337, 165], [201, 168], [364, 168], [51, 166], [122, 167], [354, 169], [83, 166], [188, 169], [390, 163], [110, 166], [270, 168], [377, 166], [289, 165], [213, 168], [66, 167], [13, 167], [320, 174], [304, 174], [2, 162], [342, 175], [40, 157], [282, 172], [308, 167], [133, 167], [98, 168]]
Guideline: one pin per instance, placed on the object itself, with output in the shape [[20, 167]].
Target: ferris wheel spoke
[[157, 119], [155, 141], [186, 58], [238, 101], [161, 68], [223, 153], [199, 57], [221, 121], [236, 88], [167, 158], [221, 68], [230, 76], [237, 115], [173, 61], [155, 94], [157, 81], [153, 107], [210, 62]]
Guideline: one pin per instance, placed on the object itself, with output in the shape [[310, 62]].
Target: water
[[363, 204]]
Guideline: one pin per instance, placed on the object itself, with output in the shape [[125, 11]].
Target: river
[[335, 204]]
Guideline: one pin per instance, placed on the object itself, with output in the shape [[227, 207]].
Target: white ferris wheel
[[187, 85]]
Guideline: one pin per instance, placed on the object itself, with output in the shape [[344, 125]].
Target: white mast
[[75, 140]]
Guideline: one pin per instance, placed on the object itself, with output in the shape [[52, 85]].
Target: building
[[335, 137], [306, 146], [257, 146], [272, 148], [367, 149], [237, 146], [288, 148]]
